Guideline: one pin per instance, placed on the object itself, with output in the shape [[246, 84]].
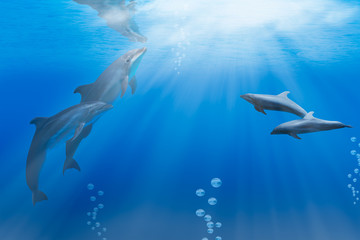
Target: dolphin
[[50, 131], [107, 88], [278, 102], [114, 79], [308, 124], [118, 16]]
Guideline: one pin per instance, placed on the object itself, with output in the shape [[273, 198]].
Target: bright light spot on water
[[349, 175], [90, 186], [99, 234], [200, 212], [353, 139], [218, 238], [104, 229], [210, 230], [216, 182], [353, 152], [88, 223], [212, 201], [89, 214], [101, 206], [249, 27], [356, 170], [96, 209], [349, 185], [354, 180], [218, 224], [200, 192], [205, 238], [100, 193], [207, 218], [93, 198], [210, 224], [97, 224]]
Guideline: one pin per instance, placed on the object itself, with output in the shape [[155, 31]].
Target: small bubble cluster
[[355, 174], [179, 51], [212, 201], [95, 225]]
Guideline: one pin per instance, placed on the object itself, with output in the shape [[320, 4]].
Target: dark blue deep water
[[186, 124]]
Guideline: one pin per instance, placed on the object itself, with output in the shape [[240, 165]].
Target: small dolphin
[[308, 124], [274, 102], [118, 16], [114, 79], [50, 131]]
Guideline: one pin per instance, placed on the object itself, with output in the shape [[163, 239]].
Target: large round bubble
[[200, 192], [216, 182], [207, 218], [200, 212], [212, 201], [210, 224]]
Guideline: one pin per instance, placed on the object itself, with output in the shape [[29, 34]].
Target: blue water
[[185, 124]]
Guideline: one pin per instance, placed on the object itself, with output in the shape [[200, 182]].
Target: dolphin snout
[[246, 97]]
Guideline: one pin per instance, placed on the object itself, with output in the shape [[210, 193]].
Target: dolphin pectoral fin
[[133, 85], [83, 90], [260, 109], [38, 196], [78, 131], [124, 85], [69, 164], [38, 121], [294, 135]]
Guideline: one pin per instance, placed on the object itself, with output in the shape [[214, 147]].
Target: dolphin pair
[[96, 98], [52, 130], [281, 102], [118, 16]]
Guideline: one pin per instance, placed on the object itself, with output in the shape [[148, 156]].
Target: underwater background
[[186, 124]]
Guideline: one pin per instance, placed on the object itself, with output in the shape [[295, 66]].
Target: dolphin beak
[[246, 97], [140, 52]]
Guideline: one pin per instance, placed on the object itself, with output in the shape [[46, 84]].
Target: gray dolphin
[[118, 16], [308, 124], [50, 131], [114, 79], [274, 102], [107, 88]]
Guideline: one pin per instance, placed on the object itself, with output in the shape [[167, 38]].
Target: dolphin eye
[[128, 60]]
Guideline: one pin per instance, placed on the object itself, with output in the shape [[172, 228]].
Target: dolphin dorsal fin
[[39, 121], [83, 90], [309, 115], [284, 94]]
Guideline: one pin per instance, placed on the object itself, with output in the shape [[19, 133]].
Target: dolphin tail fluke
[[38, 196], [133, 85], [69, 164]]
